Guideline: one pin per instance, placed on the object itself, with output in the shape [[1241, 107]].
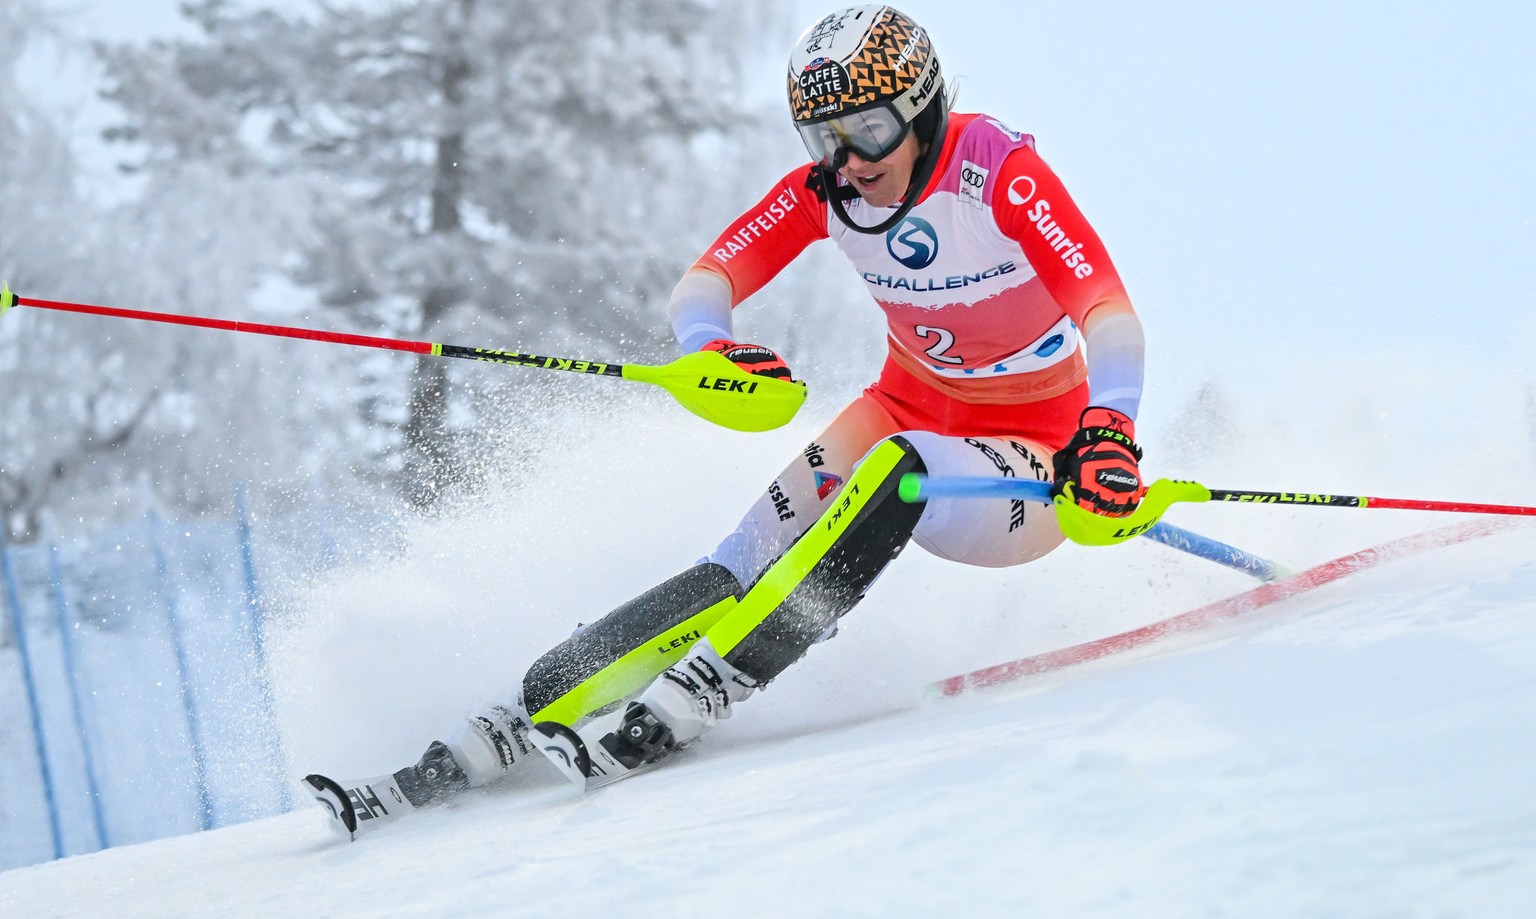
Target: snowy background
[[1324, 215], [1284, 188], [1364, 751]]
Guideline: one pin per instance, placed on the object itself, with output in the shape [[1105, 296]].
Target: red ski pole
[[704, 382], [1164, 492], [1090, 529], [1402, 504], [9, 299]]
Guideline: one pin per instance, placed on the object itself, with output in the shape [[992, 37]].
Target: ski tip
[[334, 799], [565, 748]]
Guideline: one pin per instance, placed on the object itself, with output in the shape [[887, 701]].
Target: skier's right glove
[[1100, 463], [751, 358]]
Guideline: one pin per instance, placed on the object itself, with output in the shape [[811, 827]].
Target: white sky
[[1293, 192]]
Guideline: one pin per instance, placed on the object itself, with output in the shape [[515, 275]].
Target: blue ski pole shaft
[[1218, 552], [924, 488]]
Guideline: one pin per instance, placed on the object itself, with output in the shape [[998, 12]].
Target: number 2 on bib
[[945, 341]]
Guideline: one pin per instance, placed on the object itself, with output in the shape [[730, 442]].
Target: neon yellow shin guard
[[795, 601], [615, 657], [827, 571]]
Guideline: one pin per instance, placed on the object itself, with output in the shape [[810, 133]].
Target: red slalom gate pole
[[1233, 607]]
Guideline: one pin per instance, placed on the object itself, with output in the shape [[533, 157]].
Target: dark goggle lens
[[873, 135]]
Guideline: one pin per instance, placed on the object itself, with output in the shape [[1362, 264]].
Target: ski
[[604, 750], [361, 806], [588, 762], [594, 756], [565, 750]]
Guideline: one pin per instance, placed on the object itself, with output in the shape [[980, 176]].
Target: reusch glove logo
[[1117, 480]]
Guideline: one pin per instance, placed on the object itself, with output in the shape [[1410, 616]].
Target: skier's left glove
[[751, 358], [1100, 462]]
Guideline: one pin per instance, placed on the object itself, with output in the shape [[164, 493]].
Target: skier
[[1013, 351]]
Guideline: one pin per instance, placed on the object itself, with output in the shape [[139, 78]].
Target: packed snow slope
[[1362, 750]]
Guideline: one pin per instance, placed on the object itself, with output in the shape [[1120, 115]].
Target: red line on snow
[[1230, 608]]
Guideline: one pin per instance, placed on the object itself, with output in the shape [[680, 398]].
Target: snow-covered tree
[[103, 416], [516, 174], [63, 409]]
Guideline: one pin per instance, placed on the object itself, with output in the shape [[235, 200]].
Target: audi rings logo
[[973, 182], [913, 242], [1020, 190]]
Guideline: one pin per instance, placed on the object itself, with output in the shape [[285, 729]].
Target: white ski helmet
[[860, 79]]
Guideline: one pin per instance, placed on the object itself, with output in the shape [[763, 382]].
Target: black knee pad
[[623, 651]]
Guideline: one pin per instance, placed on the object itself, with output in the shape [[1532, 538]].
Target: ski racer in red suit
[[1013, 351]]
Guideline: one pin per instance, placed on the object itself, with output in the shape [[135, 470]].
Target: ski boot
[[485, 748], [677, 707]]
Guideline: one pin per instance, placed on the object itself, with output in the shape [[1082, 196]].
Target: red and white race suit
[[989, 285]]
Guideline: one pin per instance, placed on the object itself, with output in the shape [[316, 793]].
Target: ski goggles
[[873, 134]]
